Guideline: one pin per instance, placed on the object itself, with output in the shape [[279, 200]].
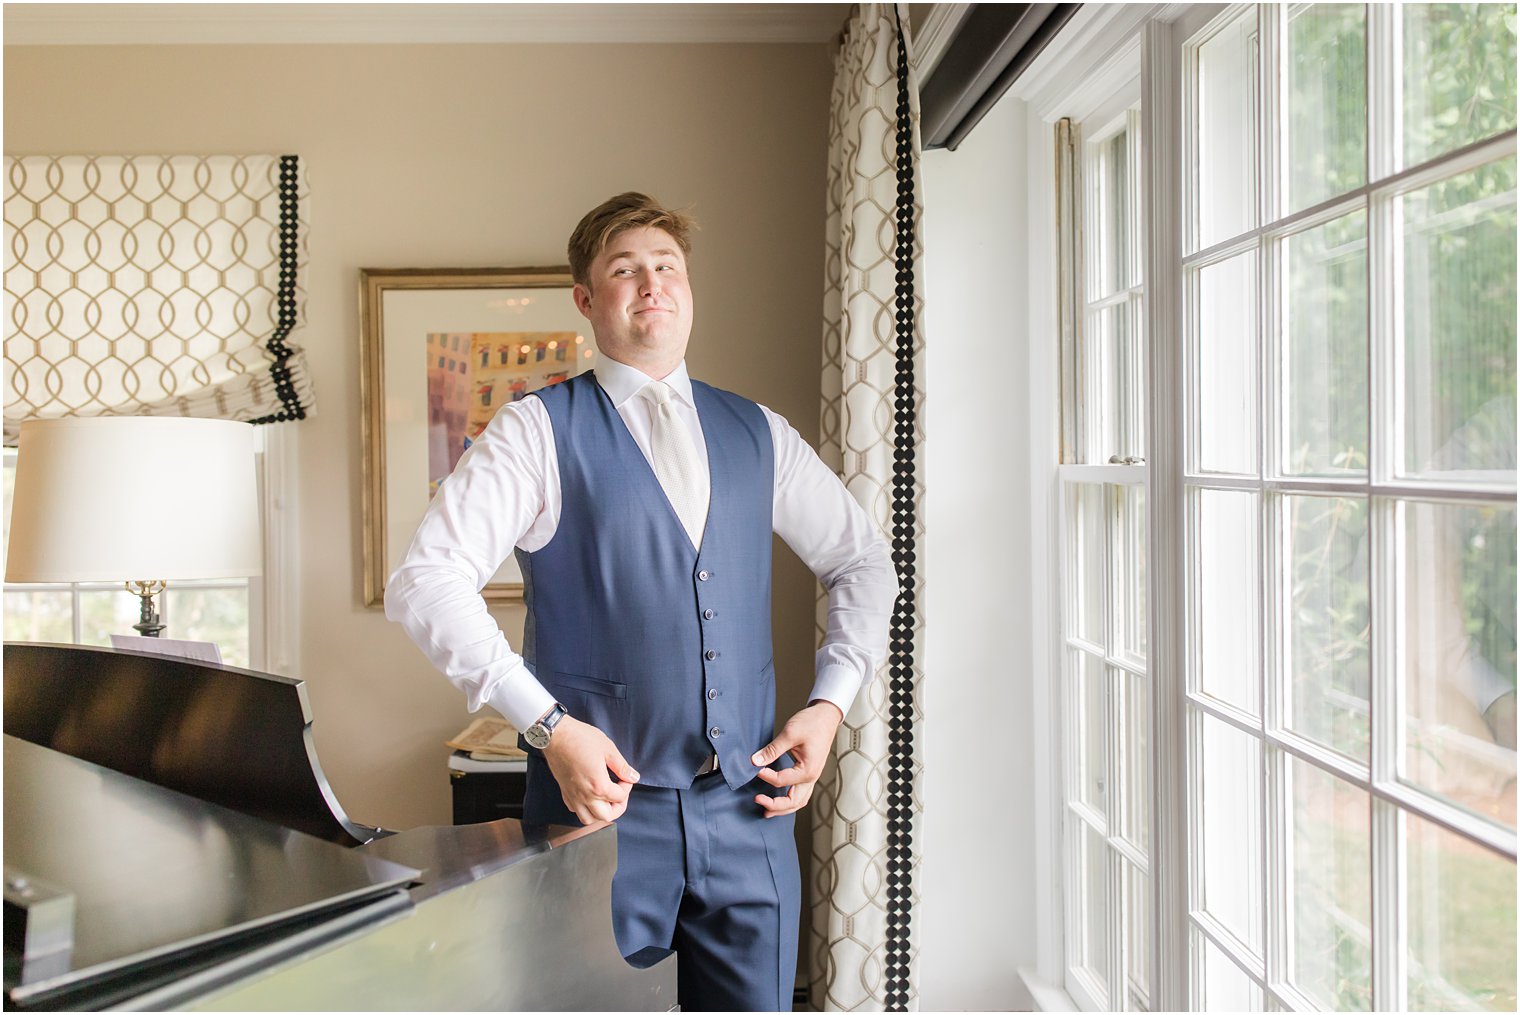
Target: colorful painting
[[443, 349], [471, 375]]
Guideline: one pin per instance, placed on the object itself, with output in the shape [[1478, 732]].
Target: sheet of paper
[[180, 648], [488, 735]]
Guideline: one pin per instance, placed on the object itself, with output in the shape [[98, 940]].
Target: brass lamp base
[[148, 626]]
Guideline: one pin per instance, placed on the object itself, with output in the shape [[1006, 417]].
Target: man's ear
[[582, 297]]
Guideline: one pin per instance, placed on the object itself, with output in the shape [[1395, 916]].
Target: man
[[641, 505]]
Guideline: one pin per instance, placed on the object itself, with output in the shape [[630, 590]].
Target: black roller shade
[[992, 47]]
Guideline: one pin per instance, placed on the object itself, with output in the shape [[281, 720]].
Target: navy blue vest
[[666, 650]]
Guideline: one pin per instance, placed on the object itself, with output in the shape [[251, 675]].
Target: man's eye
[[623, 271]]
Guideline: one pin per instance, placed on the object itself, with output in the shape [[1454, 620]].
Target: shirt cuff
[[837, 684], [520, 698]]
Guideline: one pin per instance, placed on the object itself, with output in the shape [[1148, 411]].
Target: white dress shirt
[[505, 493]]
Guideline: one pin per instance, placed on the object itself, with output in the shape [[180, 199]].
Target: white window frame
[[1175, 473], [1091, 70], [1084, 376], [1100, 47]]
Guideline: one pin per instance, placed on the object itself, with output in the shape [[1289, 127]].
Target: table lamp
[[137, 499]]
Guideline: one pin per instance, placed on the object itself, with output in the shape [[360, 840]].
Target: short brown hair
[[631, 210]]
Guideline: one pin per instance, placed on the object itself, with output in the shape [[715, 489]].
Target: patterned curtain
[[148, 285], [866, 808]]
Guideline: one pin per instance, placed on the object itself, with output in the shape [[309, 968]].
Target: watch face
[[537, 736]]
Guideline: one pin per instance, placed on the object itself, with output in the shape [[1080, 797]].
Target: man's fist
[[807, 737], [584, 760]]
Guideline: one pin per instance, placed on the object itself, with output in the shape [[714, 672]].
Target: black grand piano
[[171, 842]]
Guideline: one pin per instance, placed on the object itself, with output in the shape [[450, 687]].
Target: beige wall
[[445, 156]]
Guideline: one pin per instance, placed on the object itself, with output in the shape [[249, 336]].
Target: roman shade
[[155, 285]]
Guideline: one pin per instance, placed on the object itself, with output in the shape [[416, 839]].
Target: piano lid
[[155, 874], [235, 737]]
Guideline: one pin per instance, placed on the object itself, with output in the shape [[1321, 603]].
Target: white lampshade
[[134, 498]]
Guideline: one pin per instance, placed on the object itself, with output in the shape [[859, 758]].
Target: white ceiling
[[127, 23]]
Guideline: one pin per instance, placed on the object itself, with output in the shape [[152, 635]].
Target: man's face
[[639, 300]]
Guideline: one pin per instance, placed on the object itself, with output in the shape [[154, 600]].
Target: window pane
[[1104, 397], [1137, 944], [1113, 396], [1326, 114], [1226, 365], [1461, 913], [1230, 818], [1134, 759], [1459, 322], [1225, 558], [1225, 986], [1133, 374], [1092, 727], [1325, 348], [1110, 217], [215, 615], [1130, 585], [1459, 654], [1089, 560], [1093, 947], [1459, 75], [104, 612], [1330, 868], [1227, 132], [39, 616], [1328, 620]]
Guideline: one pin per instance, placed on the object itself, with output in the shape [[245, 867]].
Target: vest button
[[710, 655], [715, 732], [709, 614], [712, 694], [702, 576]]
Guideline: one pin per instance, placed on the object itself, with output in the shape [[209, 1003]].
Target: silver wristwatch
[[539, 734]]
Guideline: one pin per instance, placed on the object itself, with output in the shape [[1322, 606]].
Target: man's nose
[[649, 284]]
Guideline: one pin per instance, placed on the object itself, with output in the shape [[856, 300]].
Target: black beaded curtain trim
[[904, 527], [279, 372]]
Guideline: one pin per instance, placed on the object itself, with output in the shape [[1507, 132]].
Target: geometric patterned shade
[[155, 285], [867, 809]]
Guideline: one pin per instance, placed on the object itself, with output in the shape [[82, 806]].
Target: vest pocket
[[591, 685], [602, 703]]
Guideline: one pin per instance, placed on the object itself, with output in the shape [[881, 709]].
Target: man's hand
[[807, 737], [580, 756]]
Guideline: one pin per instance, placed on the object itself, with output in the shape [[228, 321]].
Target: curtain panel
[[155, 285], [867, 807]]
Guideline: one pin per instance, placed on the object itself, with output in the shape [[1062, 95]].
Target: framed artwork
[[443, 350]]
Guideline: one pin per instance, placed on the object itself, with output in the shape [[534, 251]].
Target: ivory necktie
[[675, 460]]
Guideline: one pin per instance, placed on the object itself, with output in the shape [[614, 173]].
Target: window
[[1348, 482], [1304, 566], [229, 612], [1107, 692]]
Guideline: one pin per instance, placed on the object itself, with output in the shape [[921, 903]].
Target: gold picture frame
[[441, 350]]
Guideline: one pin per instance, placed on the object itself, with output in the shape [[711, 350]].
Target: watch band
[[540, 733]]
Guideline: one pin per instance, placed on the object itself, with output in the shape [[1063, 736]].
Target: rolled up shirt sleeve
[[829, 531], [474, 521]]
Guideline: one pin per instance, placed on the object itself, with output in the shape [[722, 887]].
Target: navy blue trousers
[[703, 872]]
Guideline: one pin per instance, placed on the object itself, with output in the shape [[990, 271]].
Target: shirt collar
[[622, 382]]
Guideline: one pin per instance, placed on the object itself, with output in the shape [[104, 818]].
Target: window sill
[[1047, 996]]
